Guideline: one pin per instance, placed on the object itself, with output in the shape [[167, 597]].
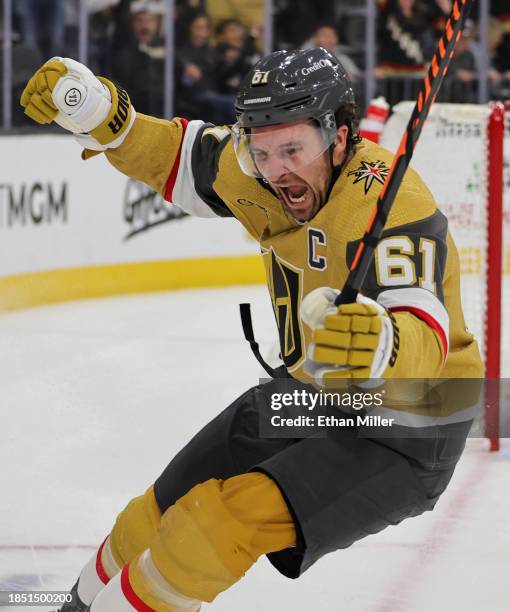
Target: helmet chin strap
[[335, 170]]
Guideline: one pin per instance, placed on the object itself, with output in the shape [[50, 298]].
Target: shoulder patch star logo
[[370, 172]]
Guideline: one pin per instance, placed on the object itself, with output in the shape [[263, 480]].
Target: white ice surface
[[97, 396]]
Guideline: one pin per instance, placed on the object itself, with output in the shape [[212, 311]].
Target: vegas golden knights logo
[[285, 286], [370, 172]]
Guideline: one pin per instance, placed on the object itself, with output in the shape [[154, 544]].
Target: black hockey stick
[[402, 159]]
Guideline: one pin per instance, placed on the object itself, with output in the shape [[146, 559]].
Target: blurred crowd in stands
[[216, 42]]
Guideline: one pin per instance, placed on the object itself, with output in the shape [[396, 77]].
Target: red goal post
[[460, 155]]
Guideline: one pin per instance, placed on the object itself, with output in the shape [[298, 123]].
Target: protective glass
[[273, 151]]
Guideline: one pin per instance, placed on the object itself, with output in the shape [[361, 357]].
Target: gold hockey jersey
[[415, 271]]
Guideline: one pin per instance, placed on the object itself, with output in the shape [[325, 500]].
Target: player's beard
[[314, 197]]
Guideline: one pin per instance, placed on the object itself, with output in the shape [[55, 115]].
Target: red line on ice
[[47, 547], [395, 597]]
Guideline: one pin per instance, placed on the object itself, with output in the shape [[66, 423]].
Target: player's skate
[[76, 605]]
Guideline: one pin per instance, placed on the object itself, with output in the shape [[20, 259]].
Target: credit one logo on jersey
[[33, 203], [145, 209]]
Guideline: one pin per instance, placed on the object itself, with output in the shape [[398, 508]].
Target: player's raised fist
[[67, 92], [348, 341], [37, 97]]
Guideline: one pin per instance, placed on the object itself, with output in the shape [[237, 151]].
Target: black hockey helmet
[[287, 86]]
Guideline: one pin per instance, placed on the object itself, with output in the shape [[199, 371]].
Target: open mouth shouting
[[298, 199]]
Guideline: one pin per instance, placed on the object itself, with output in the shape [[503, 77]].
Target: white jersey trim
[[421, 299], [185, 195], [112, 598], [89, 583]]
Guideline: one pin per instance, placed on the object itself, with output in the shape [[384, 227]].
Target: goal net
[[457, 156]]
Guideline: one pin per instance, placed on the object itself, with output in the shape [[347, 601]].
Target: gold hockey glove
[[98, 113], [348, 341]]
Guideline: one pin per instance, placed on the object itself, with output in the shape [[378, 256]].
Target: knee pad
[[135, 528], [212, 535]]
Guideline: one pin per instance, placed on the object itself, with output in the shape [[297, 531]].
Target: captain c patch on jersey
[[370, 172]]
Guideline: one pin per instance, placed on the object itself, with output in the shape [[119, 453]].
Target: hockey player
[[295, 173]]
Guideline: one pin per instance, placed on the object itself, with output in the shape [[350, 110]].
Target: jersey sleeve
[[178, 159], [407, 273]]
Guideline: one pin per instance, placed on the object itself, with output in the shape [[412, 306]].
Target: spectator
[[499, 46], [138, 63], [502, 55], [96, 6], [101, 31], [235, 55], [501, 10], [438, 13], [186, 11], [294, 22], [461, 80], [24, 60], [406, 37], [196, 96], [327, 37], [402, 35], [499, 54], [249, 13], [41, 24]]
